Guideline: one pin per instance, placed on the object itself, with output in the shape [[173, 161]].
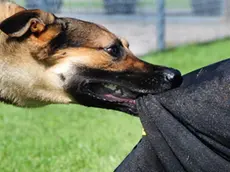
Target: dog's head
[[91, 65]]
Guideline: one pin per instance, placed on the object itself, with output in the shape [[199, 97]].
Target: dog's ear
[[33, 21]]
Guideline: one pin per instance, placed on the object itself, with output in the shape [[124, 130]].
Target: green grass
[[141, 3], [97, 4], [190, 57], [83, 4], [177, 4], [66, 138]]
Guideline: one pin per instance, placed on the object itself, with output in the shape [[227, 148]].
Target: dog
[[45, 59]]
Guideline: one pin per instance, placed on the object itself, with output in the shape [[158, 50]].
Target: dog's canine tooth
[[118, 91]]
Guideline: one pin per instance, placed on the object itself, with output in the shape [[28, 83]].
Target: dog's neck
[[8, 9]]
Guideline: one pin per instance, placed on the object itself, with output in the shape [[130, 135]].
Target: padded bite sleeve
[[188, 128]]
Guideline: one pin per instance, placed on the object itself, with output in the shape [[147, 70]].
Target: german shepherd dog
[[45, 59]]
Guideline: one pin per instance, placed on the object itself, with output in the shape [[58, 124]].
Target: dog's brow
[[115, 42], [118, 41]]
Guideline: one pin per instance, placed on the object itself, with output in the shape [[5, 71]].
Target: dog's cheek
[[63, 70]]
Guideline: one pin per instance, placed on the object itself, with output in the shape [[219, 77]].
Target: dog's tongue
[[118, 99]]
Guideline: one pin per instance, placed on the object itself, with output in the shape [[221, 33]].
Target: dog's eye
[[115, 51]]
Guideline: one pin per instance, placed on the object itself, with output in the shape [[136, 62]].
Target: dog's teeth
[[118, 91], [110, 86]]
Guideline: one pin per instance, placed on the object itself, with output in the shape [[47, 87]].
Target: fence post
[[226, 6], [160, 24]]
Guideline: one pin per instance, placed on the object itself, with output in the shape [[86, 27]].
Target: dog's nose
[[173, 76]]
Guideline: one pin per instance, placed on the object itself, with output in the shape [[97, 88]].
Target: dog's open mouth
[[116, 91], [112, 93]]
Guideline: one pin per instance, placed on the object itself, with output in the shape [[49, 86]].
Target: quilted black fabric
[[188, 128]]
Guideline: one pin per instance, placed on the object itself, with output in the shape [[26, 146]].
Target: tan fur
[[83, 57], [39, 85], [8, 9]]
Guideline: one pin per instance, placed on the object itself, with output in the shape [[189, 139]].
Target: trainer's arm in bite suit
[[188, 128]]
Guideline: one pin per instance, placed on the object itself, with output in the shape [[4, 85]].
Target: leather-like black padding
[[188, 128]]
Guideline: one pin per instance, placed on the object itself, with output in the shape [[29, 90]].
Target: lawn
[[66, 138], [190, 57], [175, 4]]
